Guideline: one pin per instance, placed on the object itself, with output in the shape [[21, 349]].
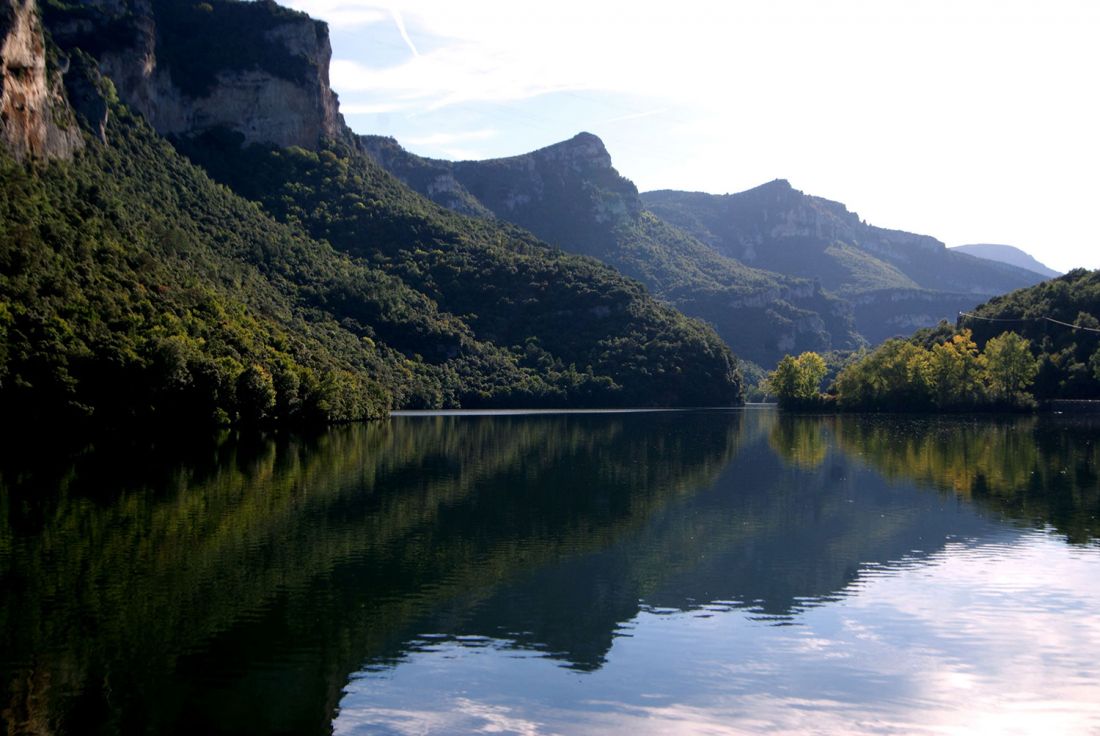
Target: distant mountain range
[[773, 269], [1009, 254]]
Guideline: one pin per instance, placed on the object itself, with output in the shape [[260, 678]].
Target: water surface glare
[[703, 572]]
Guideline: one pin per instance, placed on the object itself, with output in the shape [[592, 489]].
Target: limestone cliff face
[[888, 313], [35, 120], [254, 68]]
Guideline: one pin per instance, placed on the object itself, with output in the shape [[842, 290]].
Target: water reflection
[[1040, 471], [237, 587]]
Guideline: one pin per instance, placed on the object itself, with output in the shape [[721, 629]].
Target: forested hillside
[[134, 288]]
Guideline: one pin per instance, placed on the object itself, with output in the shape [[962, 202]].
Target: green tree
[[896, 376], [1011, 367], [255, 393], [958, 372], [797, 381]]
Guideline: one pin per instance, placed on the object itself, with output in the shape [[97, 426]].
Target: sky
[[975, 121]]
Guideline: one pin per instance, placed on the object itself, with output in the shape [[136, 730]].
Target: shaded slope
[[778, 227], [556, 312]]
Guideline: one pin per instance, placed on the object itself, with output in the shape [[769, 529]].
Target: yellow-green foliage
[[797, 381], [951, 374], [1011, 366]]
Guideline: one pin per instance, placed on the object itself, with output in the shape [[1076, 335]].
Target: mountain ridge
[[1009, 254]]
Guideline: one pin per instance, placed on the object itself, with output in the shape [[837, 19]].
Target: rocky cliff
[[35, 120], [254, 68]]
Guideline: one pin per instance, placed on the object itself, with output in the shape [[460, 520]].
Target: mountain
[[896, 281], [133, 288], [1009, 254], [570, 195]]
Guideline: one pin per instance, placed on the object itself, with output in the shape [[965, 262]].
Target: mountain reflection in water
[[379, 577]]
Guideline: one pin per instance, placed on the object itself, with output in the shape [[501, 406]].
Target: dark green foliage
[[151, 293], [1065, 352], [88, 27]]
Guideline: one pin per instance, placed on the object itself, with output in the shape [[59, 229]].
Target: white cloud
[[342, 15]]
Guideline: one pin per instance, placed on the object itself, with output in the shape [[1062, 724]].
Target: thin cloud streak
[[400, 23]]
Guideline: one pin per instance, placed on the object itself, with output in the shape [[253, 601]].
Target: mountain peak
[[582, 149], [778, 185]]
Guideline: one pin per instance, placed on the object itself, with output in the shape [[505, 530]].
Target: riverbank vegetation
[[1032, 345]]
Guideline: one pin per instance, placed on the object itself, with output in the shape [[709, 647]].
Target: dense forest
[[1031, 345]]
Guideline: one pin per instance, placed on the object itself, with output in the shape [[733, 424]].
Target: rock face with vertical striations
[[256, 68], [35, 120]]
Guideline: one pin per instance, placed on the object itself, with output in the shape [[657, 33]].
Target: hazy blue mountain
[[1009, 254]]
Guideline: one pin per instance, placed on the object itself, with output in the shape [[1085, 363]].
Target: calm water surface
[[666, 572]]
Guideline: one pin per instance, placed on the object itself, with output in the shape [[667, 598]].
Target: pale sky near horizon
[[974, 121]]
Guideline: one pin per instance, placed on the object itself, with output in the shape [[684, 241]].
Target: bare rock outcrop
[[35, 120], [254, 68]]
